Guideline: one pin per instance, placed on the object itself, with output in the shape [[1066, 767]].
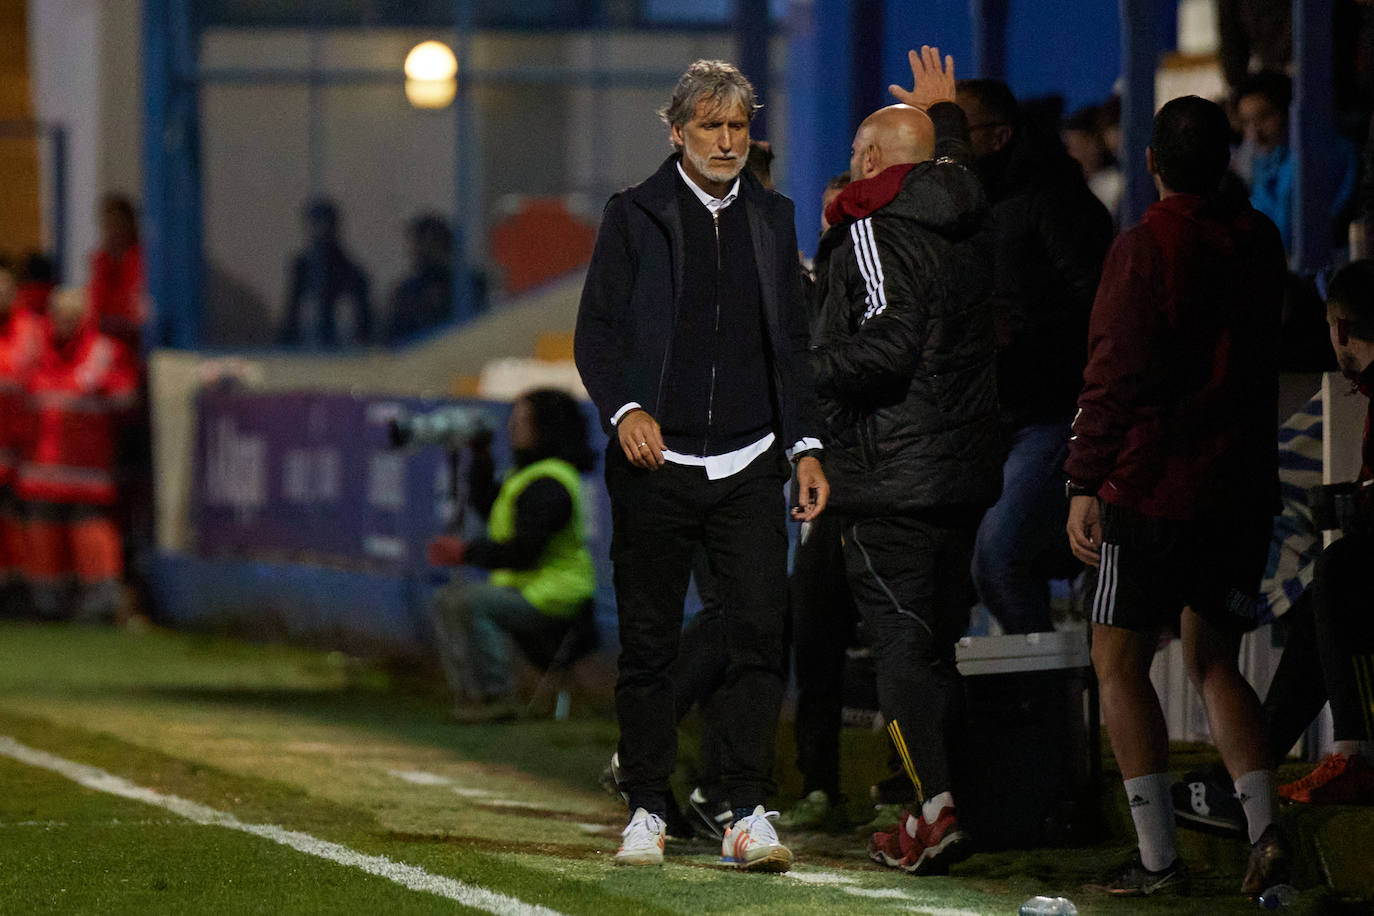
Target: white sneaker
[[641, 842], [752, 843]]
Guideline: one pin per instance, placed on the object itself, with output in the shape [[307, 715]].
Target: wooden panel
[[20, 193]]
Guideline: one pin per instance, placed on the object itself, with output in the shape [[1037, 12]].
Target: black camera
[[452, 427], [1347, 507]]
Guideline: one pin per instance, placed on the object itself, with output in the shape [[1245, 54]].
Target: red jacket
[[80, 392], [116, 294], [23, 337], [1179, 405]]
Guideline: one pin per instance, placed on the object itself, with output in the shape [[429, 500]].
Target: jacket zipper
[[711, 396]]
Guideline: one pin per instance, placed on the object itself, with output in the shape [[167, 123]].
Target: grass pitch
[[336, 751]]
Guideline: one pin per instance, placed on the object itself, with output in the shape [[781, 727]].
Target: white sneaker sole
[[768, 859], [640, 857]]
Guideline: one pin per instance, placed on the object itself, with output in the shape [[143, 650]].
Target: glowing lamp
[[431, 69]]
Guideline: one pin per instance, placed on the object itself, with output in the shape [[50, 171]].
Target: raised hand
[[931, 81]]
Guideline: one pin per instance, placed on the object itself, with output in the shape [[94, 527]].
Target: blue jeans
[[1024, 529], [472, 620]]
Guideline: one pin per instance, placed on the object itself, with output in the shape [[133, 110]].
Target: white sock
[[1258, 794], [1153, 813], [932, 807]]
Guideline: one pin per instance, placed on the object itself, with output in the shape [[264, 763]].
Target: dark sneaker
[[894, 790], [1206, 800], [714, 814], [1135, 880], [817, 811], [1268, 863], [610, 779], [1337, 780]]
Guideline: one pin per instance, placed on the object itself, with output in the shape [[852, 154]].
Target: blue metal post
[[820, 123], [988, 19], [908, 24], [1311, 130], [1140, 59], [753, 30], [173, 251]]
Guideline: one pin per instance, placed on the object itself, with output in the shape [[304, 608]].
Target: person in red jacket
[[119, 305], [83, 386], [23, 330], [1173, 479]]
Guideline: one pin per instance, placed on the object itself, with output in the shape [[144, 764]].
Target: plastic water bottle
[[1278, 897], [1048, 906]]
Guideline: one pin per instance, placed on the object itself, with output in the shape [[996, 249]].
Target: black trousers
[[1343, 604], [1329, 655], [823, 619], [659, 518], [910, 580]]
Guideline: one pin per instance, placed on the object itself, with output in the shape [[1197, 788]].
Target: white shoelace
[[759, 826], [642, 831]]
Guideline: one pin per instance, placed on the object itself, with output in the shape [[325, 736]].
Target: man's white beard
[[719, 173]]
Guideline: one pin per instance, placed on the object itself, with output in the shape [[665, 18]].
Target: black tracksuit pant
[[823, 618], [659, 518], [909, 576]]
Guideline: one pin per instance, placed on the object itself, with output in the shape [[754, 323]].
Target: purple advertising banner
[[313, 478]]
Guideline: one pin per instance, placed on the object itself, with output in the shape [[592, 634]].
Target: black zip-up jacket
[[1052, 235], [904, 354], [631, 295]]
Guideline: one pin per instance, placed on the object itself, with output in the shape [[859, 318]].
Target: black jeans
[[1343, 604], [910, 580], [659, 518], [823, 618]]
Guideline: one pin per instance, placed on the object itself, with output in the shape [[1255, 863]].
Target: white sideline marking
[[877, 893], [941, 911], [420, 777], [823, 878], [408, 876]]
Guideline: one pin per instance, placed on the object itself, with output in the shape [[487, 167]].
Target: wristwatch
[[1073, 488]]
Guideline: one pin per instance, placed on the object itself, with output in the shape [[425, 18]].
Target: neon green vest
[[564, 578]]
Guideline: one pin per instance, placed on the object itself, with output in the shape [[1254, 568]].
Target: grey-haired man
[[691, 340]]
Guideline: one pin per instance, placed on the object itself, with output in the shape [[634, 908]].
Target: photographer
[[535, 547], [1342, 588]]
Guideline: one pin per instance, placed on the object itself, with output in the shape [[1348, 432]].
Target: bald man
[[903, 350]]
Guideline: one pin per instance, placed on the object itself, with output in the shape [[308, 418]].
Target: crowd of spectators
[[75, 474]]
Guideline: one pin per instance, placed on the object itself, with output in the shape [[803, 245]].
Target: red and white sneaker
[[941, 842], [641, 842], [1337, 780], [751, 843], [895, 847]]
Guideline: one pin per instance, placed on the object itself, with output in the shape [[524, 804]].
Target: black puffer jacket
[[1052, 236], [903, 347]]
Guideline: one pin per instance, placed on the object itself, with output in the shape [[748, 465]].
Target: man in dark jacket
[[691, 340], [1173, 479], [904, 365], [1051, 237]]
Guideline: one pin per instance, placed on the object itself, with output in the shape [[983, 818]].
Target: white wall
[[85, 76]]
